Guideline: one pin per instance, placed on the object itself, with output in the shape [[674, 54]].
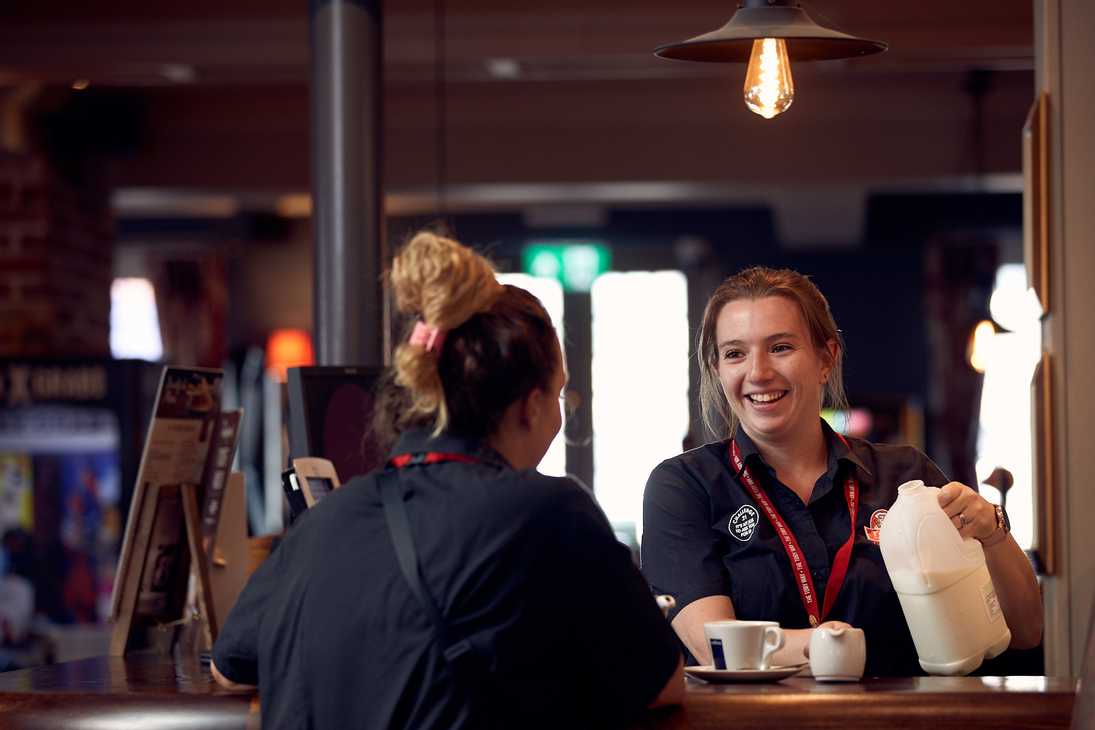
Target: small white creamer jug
[[837, 654], [943, 584]]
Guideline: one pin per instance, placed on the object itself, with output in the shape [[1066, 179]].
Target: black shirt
[[703, 535], [522, 563]]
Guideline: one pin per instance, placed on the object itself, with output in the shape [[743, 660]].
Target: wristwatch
[[1003, 528]]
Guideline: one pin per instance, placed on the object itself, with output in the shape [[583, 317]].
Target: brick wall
[[56, 257]]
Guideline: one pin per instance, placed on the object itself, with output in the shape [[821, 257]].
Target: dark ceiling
[[213, 96]]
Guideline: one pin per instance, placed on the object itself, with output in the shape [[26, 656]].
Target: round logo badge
[[872, 530], [743, 523]]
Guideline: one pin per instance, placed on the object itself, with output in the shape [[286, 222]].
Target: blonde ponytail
[[444, 283]]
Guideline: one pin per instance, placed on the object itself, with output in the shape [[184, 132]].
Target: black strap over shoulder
[[457, 650]]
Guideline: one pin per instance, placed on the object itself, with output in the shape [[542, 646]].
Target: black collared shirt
[[703, 535], [523, 564]]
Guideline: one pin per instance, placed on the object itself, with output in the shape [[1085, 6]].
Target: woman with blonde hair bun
[[458, 587]]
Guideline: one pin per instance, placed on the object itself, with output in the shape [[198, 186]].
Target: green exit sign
[[573, 264]]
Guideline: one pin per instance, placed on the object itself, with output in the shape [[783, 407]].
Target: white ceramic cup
[[837, 654], [743, 644]]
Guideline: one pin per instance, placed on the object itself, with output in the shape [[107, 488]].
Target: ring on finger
[[963, 520]]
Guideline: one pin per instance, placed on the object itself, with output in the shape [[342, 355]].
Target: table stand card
[[228, 567], [217, 575], [216, 476], [174, 516], [153, 595]]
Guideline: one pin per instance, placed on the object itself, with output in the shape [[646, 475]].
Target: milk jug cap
[[910, 487]]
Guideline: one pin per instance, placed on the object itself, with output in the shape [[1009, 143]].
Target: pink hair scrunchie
[[427, 336]]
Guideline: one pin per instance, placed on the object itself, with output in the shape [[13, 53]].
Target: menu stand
[[166, 579]]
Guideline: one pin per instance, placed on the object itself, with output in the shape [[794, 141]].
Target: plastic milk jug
[[943, 584]]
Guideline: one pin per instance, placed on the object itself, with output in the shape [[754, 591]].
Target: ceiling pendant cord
[[440, 117]]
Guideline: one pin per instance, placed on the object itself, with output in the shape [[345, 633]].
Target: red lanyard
[[804, 581], [428, 457]]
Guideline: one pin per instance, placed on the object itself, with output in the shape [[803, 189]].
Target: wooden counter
[[934, 703], [145, 691], [153, 693]]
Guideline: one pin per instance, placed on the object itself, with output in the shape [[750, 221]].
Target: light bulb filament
[[769, 88]]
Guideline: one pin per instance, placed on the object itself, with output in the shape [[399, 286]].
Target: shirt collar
[[838, 450], [422, 440], [844, 451], [747, 448]]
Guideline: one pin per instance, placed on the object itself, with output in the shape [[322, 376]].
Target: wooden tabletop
[[146, 691], [154, 693], [934, 703]]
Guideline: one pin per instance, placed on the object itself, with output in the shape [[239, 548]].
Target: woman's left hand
[[969, 511]]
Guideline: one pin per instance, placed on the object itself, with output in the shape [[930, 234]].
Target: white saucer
[[773, 674]]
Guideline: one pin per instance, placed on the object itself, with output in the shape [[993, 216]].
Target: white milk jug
[[943, 584]]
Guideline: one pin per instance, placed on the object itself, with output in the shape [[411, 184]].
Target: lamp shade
[[805, 39], [288, 348]]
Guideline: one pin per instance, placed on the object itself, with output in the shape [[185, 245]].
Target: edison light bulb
[[769, 89]]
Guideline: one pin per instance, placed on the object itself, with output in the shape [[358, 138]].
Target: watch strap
[[1003, 528]]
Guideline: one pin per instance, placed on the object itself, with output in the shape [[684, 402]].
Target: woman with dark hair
[[458, 587], [724, 523]]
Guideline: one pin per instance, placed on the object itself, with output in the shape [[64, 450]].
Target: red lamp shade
[[288, 348]]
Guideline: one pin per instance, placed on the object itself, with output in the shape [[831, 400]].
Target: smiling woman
[[803, 312], [771, 374], [779, 521]]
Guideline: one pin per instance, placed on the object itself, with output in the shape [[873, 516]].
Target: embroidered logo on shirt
[[871, 531], [744, 522]]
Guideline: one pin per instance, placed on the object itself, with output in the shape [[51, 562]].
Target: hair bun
[[442, 281], [445, 283]]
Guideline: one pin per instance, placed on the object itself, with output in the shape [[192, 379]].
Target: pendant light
[[769, 34]]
